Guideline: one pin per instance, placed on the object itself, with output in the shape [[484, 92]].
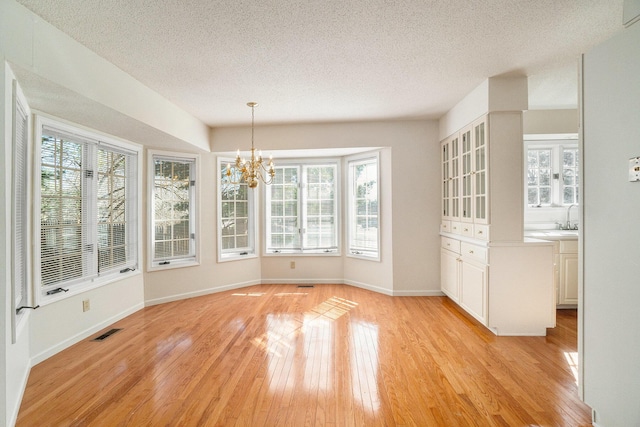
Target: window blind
[[88, 217], [20, 205]]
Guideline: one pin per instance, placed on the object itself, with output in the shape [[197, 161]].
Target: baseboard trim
[[418, 293], [199, 293], [407, 293], [44, 355], [302, 281], [368, 287]]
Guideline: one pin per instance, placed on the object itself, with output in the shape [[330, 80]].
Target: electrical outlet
[[86, 306], [293, 264]]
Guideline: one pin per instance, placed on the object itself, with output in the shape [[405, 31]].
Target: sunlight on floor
[[251, 294], [572, 360]]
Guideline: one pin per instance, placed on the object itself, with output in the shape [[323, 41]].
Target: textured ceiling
[[337, 60]]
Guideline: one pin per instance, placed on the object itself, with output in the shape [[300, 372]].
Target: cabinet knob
[[466, 229], [470, 252], [480, 232]]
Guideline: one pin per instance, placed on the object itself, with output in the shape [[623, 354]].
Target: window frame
[[133, 213], [302, 164], [556, 145], [249, 251], [156, 264], [354, 251]]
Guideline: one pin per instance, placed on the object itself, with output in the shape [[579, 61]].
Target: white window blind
[[88, 208], [20, 202], [174, 210], [363, 208]]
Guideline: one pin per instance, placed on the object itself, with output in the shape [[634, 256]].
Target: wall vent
[[106, 335], [305, 286]]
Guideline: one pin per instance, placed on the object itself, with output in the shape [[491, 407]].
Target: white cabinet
[[450, 273], [473, 295], [567, 259], [507, 284]]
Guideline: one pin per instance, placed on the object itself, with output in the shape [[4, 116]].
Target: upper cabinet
[[481, 179]]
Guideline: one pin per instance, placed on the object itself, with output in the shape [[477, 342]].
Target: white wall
[[410, 165], [209, 276], [15, 359], [550, 121], [611, 333]]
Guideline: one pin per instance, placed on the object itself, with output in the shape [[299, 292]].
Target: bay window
[[302, 209], [172, 179], [363, 208], [236, 215], [87, 205]]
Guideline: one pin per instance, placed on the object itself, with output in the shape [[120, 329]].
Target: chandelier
[[253, 170]]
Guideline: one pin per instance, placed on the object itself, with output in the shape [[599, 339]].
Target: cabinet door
[[466, 154], [445, 158], [450, 178], [450, 274], [480, 172], [568, 279], [473, 295]]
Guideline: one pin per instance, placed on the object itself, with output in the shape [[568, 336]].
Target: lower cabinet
[[450, 273], [568, 279], [473, 296], [508, 287]]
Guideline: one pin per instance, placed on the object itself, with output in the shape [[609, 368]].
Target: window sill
[[236, 257], [375, 258], [174, 263], [82, 287], [335, 253]]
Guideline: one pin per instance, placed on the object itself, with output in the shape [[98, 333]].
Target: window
[[88, 207], [302, 209], [20, 214], [552, 173], [172, 209], [236, 213], [364, 236]]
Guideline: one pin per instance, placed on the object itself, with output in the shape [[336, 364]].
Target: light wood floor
[[331, 355]]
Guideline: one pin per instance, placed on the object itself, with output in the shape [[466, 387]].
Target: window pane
[[363, 211], [235, 214], [174, 208], [61, 210], [539, 177]]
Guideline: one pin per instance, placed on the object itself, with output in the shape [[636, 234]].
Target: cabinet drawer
[[481, 231], [473, 252], [445, 226], [568, 246], [466, 229], [456, 227], [451, 244]]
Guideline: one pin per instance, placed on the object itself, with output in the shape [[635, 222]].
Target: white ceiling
[[337, 60]]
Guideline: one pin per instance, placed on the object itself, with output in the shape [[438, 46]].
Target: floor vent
[[106, 335], [305, 286]]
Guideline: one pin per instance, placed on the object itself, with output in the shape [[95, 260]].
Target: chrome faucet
[[568, 223]]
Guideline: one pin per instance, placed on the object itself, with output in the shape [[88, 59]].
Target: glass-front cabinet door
[[480, 156], [450, 179], [467, 175], [454, 178], [445, 155]]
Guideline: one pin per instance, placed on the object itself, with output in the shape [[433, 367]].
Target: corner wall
[[611, 236]]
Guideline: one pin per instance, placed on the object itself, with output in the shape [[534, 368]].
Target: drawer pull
[[480, 232], [466, 229], [448, 244], [470, 252]]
